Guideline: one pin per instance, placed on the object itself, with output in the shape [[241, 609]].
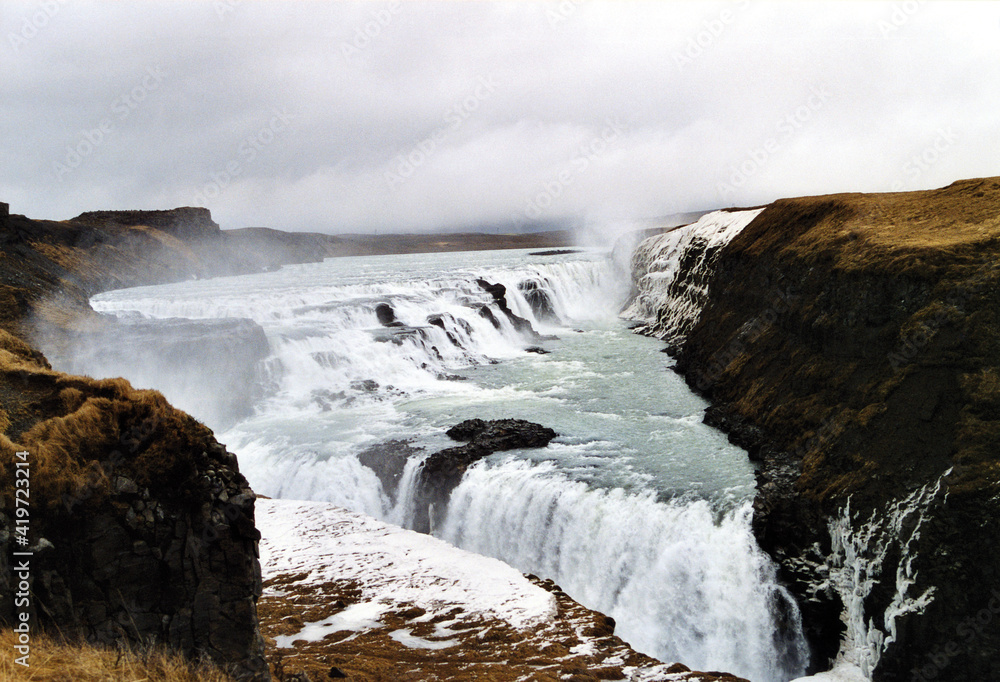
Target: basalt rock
[[184, 223], [141, 525], [388, 460], [850, 343], [499, 294], [387, 316], [538, 298], [441, 472]]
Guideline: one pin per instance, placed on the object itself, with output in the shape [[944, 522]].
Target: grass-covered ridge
[[895, 319], [81, 432], [877, 378]]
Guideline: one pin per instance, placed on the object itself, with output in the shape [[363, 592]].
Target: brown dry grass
[[54, 661], [78, 430], [905, 232], [487, 649]]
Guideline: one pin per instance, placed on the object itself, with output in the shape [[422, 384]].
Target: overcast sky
[[356, 117]]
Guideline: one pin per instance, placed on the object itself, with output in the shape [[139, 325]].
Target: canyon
[[849, 343]]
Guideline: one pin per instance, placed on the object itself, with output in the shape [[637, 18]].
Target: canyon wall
[[851, 343], [140, 526]]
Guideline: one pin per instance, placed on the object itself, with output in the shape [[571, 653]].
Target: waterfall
[[671, 272], [860, 559], [685, 583], [366, 350]]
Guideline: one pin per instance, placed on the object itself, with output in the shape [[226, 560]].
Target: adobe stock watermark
[[247, 153], [557, 14], [780, 302], [226, 7], [967, 633], [20, 566], [122, 107], [785, 128], [912, 343], [921, 162], [405, 164], [711, 30], [372, 29], [586, 155], [899, 16], [33, 23]]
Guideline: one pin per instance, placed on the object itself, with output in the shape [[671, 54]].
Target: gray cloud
[[430, 116]]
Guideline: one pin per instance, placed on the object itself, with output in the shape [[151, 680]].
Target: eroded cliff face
[[852, 344], [141, 526], [671, 273]]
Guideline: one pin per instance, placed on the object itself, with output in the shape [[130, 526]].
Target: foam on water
[[637, 509]]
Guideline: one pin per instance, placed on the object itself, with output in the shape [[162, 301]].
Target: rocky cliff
[[852, 344], [141, 526]]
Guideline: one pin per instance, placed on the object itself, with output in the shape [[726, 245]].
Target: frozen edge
[[393, 565]]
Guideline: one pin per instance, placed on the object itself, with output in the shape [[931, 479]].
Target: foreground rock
[[850, 343], [141, 526], [442, 471], [348, 597]]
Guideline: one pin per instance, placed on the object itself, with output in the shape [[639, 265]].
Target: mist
[[348, 117]]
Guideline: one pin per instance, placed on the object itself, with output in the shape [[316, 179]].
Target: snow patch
[[393, 565], [411, 641], [841, 672], [355, 618]]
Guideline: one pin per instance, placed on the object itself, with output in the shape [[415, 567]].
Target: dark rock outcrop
[[499, 293], [850, 343], [142, 527], [538, 298], [388, 460], [387, 316], [188, 223], [442, 471]]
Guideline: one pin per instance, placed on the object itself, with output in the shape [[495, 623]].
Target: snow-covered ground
[[394, 566], [458, 597]]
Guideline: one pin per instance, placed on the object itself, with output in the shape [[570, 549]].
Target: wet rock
[[443, 470], [487, 314], [554, 252], [538, 298], [538, 350], [396, 333], [388, 460], [442, 320], [365, 386], [499, 294], [386, 315]]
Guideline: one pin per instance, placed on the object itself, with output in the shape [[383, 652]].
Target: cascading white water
[[684, 583], [668, 298], [637, 509]]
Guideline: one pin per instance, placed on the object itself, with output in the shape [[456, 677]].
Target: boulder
[[499, 294], [443, 470]]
